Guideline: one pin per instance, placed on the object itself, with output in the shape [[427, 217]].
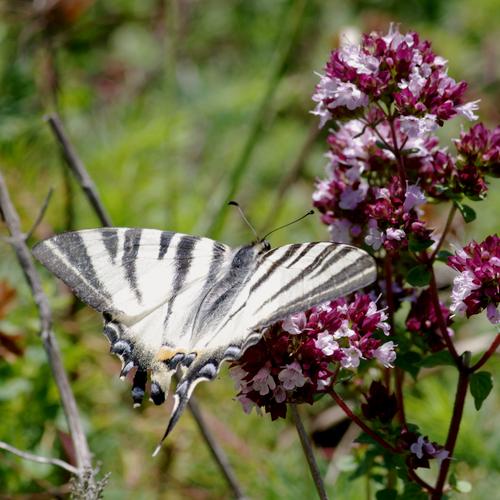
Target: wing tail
[[205, 368]]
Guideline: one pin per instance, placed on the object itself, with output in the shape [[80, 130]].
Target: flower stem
[[449, 220], [487, 355], [458, 408], [399, 156], [308, 452], [441, 320], [382, 442], [398, 374]]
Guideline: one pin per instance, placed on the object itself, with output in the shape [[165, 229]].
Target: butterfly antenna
[[235, 204], [288, 224]]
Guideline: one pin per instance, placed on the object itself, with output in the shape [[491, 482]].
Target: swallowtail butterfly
[[173, 302]]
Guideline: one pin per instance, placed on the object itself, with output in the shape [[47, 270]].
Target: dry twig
[[18, 242]]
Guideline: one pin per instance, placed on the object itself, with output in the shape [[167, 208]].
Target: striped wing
[[147, 283], [279, 282]]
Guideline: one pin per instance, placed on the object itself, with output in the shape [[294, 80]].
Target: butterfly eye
[[266, 246]]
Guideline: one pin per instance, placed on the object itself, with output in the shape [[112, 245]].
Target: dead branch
[[38, 458], [18, 242]]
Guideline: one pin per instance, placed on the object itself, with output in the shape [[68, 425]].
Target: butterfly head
[[262, 246]]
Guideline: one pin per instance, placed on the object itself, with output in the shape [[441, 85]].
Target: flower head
[[395, 67], [477, 286], [421, 450], [287, 366]]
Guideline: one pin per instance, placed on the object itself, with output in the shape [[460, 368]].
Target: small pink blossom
[[386, 354], [363, 63], [493, 314], [340, 230], [350, 96], [422, 447], [395, 234], [238, 374], [351, 198], [414, 198], [344, 331], [291, 376], [477, 286], [326, 344], [463, 284], [351, 359], [417, 127], [295, 323], [279, 394], [247, 404], [374, 237], [468, 109], [263, 382]]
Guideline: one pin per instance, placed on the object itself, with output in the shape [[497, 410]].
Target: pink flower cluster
[[362, 200], [422, 321], [477, 286], [392, 92], [297, 358], [395, 67]]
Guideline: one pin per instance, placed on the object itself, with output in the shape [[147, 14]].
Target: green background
[[174, 108]]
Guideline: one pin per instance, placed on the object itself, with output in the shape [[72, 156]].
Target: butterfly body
[[175, 303]]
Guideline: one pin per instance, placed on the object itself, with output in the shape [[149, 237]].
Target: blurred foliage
[[159, 98]]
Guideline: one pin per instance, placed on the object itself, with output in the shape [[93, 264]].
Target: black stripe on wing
[[66, 256], [290, 252], [360, 273], [165, 239], [304, 274], [129, 259], [110, 240], [183, 261]]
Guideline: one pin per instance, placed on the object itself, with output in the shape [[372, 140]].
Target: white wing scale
[[173, 300]]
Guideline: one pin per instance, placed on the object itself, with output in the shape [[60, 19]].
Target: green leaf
[[409, 362], [481, 384], [467, 212], [419, 276], [365, 438], [382, 145], [437, 359], [413, 491], [416, 245], [443, 255], [386, 494]]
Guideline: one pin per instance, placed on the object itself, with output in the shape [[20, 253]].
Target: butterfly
[[176, 303]]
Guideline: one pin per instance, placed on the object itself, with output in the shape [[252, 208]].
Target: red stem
[[449, 220], [398, 375], [411, 473], [458, 408], [398, 155], [441, 320], [361, 424], [487, 355]]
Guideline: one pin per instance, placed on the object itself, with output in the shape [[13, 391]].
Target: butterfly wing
[[279, 282], [145, 282]]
